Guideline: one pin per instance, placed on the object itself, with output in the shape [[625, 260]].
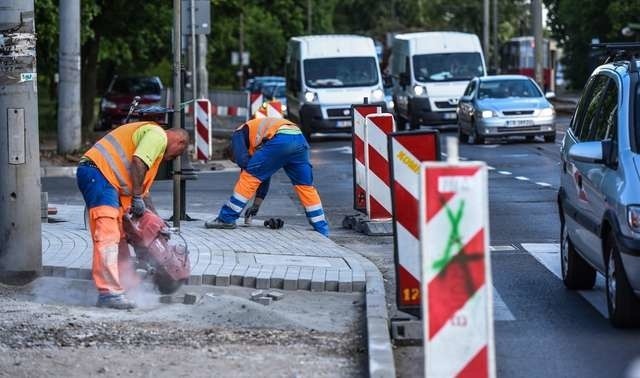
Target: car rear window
[[138, 86]]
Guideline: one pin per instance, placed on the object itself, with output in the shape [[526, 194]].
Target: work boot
[[217, 223], [116, 301]]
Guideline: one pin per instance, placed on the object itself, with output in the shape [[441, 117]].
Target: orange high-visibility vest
[[263, 129], [113, 155]]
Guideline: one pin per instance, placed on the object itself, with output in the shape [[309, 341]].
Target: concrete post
[[177, 99], [20, 243], [496, 48], [203, 74], [69, 108], [536, 13]]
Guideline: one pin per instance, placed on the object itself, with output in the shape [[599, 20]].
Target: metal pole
[[203, 75], [20, 229], [177, 99], [309, 14], [194, 80], [538, 41], [241, 40], [485, 28], [496, 47], [69, 108]]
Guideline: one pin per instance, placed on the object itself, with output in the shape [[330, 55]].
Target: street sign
[[235, 58], [202, 13], [456, 270], [406, 151]]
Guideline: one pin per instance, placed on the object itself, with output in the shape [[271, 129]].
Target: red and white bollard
[[271, 109], [456, 270], [406, 151], [378, 193], [203, 150], [358, 116]]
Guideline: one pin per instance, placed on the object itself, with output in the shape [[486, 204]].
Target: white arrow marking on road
[[548, 254]]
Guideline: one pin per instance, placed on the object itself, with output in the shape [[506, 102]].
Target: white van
[[326, 74], [431, 71]]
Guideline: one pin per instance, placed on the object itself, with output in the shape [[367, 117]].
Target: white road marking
[[501, 248], [501, 311], [507, 173], [343, 150], [543, 184], [548, 254], [491, 168], [521, 178]]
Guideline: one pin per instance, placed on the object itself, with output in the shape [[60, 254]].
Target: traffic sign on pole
[[406, 151], [456, 270]]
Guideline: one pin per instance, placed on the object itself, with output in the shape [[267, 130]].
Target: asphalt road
[[545, 329]]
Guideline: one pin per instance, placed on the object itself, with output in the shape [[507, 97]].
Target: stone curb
[[58, 171]]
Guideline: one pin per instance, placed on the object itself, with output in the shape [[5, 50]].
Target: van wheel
[[477, 139], [401, 123], [622, 303], [306, 130], [414, 124], [577, 274], [549, 138]]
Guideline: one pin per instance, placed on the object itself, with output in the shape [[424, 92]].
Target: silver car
[[504, 106], [599, 195]]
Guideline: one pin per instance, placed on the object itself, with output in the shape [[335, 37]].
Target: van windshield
[[447, 67], [341, 72]]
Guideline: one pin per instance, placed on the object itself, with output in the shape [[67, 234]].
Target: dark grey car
[[504, 106], [599, 196]]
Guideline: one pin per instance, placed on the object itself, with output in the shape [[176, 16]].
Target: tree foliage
[[575, 23]]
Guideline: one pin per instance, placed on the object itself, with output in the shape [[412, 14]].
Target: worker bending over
[[260, 147], [115, 175]]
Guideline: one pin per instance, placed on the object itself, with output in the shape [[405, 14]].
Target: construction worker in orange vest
[[115, 175], [260, 147]]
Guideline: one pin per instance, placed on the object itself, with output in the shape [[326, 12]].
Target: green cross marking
[[454, 236]]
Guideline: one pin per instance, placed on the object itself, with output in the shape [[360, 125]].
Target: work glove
[[137, 206], [250, 213]]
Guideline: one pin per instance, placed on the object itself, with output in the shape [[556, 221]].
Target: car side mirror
[[587, 152], [550, 95]]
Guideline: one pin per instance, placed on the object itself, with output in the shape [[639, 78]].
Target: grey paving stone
[[209, 274], [238, 274], [317, 279], [275, 295], [263, 300], [331, 280], [250, 276], [345, 283], [304, 280], [263, 280], [277, 277], [257, 293], [291, 278], [190, 298], [223, 277]]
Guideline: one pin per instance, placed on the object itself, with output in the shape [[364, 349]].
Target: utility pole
[[194, 77], [485, 28], [69, 108], [203, 75], [20, 230], [309, 14], [177, 111], [496, 47], [241, 40], [536, 13]]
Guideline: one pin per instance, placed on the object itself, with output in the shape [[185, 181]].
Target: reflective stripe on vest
[[262, 129], [124, 187]]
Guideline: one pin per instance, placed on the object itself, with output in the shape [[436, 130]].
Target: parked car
[[504, 106], [255, 83], [599, 195], [115, 103], [275, 91]]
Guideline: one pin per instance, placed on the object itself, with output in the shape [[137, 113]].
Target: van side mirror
[[404, 79]]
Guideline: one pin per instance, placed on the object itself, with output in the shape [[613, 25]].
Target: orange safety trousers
[[112, 269]]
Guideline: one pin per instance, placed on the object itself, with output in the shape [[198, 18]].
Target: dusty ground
[[50, 328]]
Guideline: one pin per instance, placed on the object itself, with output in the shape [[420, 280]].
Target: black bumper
[[420, 113], [313, 121]]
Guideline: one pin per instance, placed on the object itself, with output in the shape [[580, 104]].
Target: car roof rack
[[617, 51]]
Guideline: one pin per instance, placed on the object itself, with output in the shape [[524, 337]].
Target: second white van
[[326, 74], [431, 71]]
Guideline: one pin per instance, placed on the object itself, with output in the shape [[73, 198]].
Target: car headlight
[[547, 112], [377, 94], [310, 96], [391, 104], [487, 114], [633, 217], [106, 104], [419, 90]]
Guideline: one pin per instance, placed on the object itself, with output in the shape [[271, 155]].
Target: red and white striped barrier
[[358, 114], [228, 111], [255, 102], [456, 271], [406, 151], [203, 129], [378, 190], [269, 109]]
